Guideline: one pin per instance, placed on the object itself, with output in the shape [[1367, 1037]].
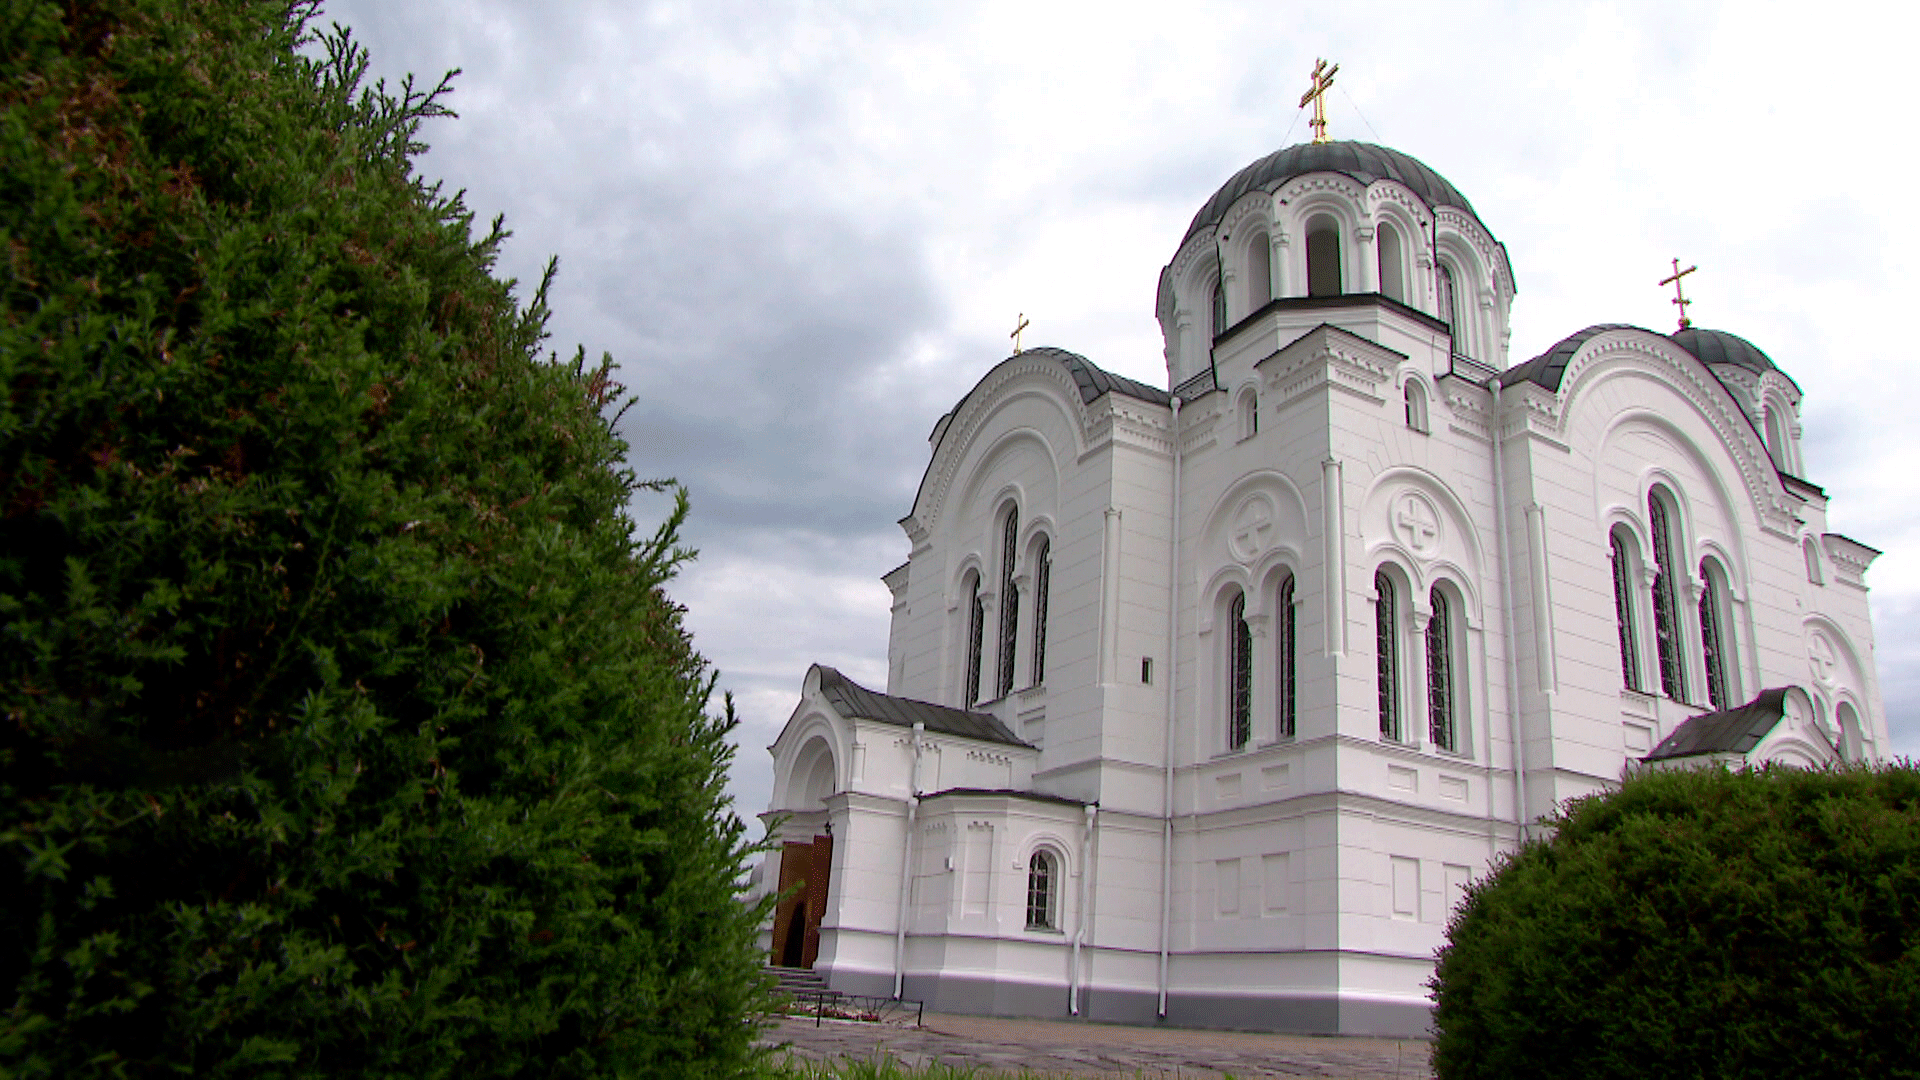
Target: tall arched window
[[1623, 610], [1393, 274], [1776, 442], [1040, 889], [1440, 704], [1713, 638], [1009, 602], [1239, 674], [1249, 413], [1323, 257], [1449, 307], [1666, 604], [1386, 633], [1219, 303], [1416, 406], [1259, 272], [976, 631], [1812, 556], [1042, 578], [1286, 671], [1853, 746]]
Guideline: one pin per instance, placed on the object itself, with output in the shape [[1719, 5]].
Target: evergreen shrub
[[347, 728], [1697, 923]]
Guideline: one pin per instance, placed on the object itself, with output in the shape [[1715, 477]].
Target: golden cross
[[1322, 79], [1680, 297], [1023, 324]]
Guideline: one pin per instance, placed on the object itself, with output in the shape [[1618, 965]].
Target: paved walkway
[[1073, 1049]]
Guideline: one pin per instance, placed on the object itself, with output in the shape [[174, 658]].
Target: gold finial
[[1680, 297], [1023, 324], [1322, 79]]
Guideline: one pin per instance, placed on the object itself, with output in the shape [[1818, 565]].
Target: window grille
[[1240, 676], [1623, 612], [1387, 655], [1286, 672], [1040, 892], [1712, 644], [1042, 578], [976, 629], [1666, 610], [1440, 673], [1009, 603]]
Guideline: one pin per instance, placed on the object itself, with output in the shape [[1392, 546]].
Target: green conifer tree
[[348, 729]]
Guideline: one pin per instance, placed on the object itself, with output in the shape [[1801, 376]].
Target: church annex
[[1204, 702]]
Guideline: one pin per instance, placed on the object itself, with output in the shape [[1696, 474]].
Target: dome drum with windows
[[1198, 690]]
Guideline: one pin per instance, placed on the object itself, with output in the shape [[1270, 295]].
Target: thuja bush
[[347, 728], [1697, 923]]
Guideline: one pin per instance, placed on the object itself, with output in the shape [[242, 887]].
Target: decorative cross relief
[[1415, 519], [1821, 659], [1252, 528]]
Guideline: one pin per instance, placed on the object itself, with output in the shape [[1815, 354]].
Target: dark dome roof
[[1720, 347], [1364, 162]]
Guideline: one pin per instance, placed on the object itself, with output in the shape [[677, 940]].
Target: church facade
[[1205, 702]]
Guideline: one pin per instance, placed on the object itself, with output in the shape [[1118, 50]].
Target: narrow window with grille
[[1239, 675], [1386, 632]]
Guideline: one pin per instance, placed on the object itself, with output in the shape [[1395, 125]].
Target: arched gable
[[1417, 518], [1558, 396], [1059, 424]]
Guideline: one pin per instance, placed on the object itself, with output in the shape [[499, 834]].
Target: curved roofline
[[1712, 347], [1362, 161]]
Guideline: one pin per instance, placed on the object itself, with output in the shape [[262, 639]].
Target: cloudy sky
[[805, 229]]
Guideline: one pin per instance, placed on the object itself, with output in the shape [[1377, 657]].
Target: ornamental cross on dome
[[1680, 297], [1322, 81], [1019, 324]]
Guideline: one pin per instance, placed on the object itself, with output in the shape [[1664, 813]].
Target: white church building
[[1204, 702]]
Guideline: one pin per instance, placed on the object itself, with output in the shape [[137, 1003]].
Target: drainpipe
[[1080, 914], [1173, 672], [1506, 619], [906, 867]]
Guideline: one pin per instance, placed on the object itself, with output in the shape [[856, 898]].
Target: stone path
[[1058, 1048]]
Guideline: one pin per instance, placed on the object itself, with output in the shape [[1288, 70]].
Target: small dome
[[1364, 162], [1713, 347]]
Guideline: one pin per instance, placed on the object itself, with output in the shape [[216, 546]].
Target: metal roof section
[[1094, 381], [854, 701], [1729, 731], [1547, 368], [1715, 347], [1006, 793], [1364, 162]]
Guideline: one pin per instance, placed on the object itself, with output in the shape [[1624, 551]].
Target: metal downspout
[[906, 868], [1173, 672], [1080, 914], [1506, 618]]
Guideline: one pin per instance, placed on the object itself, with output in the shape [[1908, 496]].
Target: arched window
[[1239, 674], [1623, 609], [1042, 577], [1812, 555], [1666, 603], [1386, 633], [1009, 602], [1219, 302], [1853, 745], [1259, 272], [1249, 414], [1041, 875], [1393, 275], [1440, 684], [976, 633], [1776, 442], [1323, 257], [1713, 637], [1286, 670], [1416, 406], [1449, 307]]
